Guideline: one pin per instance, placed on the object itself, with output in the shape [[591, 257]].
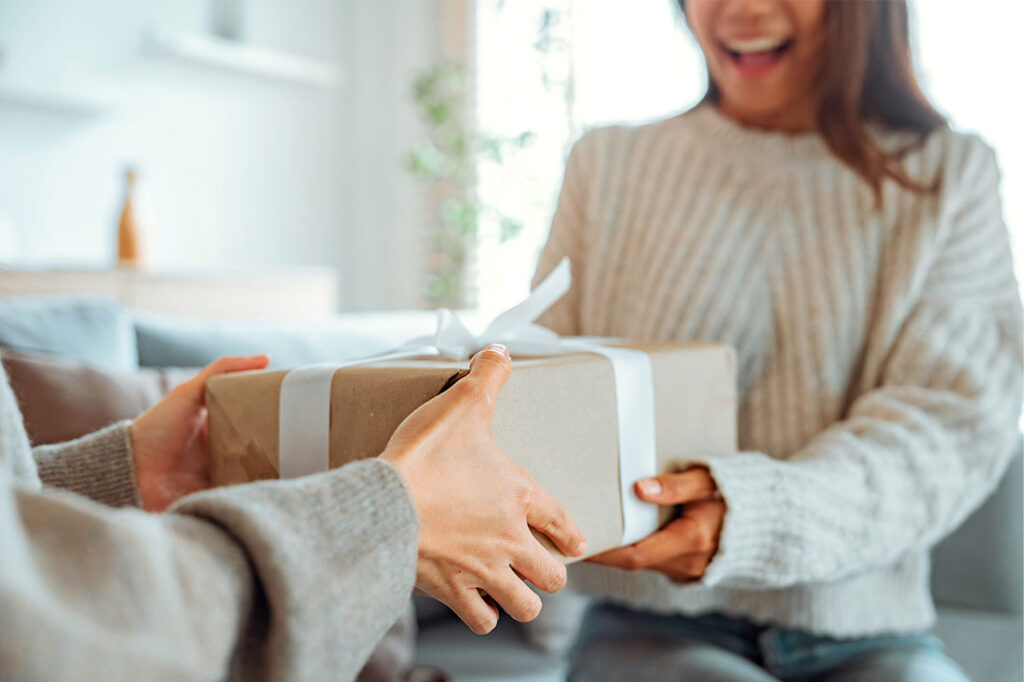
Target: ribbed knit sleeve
[[282, 580], [334, 560], [99, 466], [919, 450], [566, 238], [279, 580]]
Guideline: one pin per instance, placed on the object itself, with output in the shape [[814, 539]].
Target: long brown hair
[[867, 76]]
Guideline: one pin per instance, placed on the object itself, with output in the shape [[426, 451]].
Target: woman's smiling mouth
[[754, 57]]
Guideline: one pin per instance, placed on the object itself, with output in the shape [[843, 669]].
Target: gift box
[[587, 417], [560, 416]]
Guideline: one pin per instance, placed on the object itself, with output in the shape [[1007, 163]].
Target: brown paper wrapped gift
[[556, 416]]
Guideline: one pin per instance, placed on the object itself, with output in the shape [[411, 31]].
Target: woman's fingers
[[538, 566], [548, 516], [678, 537], [694, 534], [193, 389], [234, 363], [687, 568], [707, 517], [518, 600], [469, 605], [672, 489], [489, 370]]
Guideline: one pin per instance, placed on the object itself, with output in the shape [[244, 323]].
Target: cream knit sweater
[[879, 351]]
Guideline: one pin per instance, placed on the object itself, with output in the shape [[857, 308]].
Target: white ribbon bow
[[305, 402]]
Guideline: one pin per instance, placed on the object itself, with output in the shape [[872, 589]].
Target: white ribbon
[[305, 402]]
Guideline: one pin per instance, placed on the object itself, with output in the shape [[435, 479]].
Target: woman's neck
[[799, 119]]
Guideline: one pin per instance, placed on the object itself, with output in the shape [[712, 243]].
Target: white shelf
[[57, 100], [241, 292], [239, 57]]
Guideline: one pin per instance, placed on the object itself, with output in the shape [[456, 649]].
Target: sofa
[[977, 571]]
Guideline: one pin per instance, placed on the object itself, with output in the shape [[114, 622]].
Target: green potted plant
[[446, 160]]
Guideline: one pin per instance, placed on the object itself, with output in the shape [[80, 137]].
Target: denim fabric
[[616, 643]]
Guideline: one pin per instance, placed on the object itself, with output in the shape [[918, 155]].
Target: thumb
[[234, 363], [491, 367], [194, 388], [670, 489]]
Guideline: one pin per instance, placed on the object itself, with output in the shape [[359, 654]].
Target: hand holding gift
[[476, 506], [169, 441], [684, 548]]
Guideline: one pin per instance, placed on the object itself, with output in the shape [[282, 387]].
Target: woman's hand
[[169, 441], [683, 549], [476, 506]]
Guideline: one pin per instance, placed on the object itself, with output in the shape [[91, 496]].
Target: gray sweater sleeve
[[282, 580], [291, 580], [98, 466], [275, 581]]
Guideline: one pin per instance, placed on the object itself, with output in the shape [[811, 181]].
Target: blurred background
[[408, 152]]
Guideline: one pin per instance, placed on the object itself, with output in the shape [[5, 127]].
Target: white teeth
[[754, 45]]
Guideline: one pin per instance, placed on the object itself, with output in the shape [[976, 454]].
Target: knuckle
[[507, 546], [473, 392], [526, 608], [672, 486], [696, 567], [558, 518], [526, 495], [706, 539], [220, 365], [444, 589], [557, 580], [550, 575], [707, 486], [483, 625], [633, 561], [680, 528], [462, 390]]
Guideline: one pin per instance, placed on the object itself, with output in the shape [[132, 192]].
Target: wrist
[[404, 460], [152, 492], [132, 432]]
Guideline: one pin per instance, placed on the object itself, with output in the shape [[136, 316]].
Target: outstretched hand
[[684, 548], [169, 442], [476, 506]]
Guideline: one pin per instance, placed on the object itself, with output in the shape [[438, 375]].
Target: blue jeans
[[619, 644]]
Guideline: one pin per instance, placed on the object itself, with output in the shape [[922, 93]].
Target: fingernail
[[580, 548], [499, 348], [650, 486]]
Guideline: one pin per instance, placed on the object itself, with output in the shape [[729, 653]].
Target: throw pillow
[[89, 329]]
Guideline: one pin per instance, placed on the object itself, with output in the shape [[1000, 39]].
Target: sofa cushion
[[62, 400], [979, 566], [986, 644], [88, 329], [166, 341]]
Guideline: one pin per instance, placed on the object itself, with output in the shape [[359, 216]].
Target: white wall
[[237, 170]]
